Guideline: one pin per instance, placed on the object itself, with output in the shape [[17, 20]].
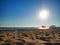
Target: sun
[[43, 14]]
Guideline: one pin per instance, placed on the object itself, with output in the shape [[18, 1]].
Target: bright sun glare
[[43, 14]]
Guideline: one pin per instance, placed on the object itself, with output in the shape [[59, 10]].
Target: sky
[[20, 13]]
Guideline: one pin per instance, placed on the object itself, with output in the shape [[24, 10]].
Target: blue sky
[[25, 12]]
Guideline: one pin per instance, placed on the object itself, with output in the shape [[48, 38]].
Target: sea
[[18, 28]]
